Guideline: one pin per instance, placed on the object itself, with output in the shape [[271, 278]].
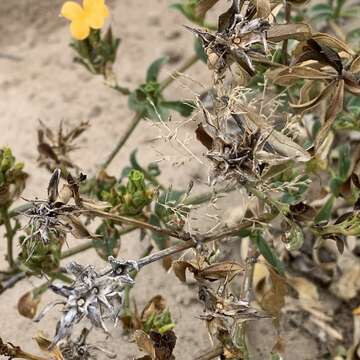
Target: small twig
[[138, 223], [251, 259], [189, 244], [10, 282], [90, 244]]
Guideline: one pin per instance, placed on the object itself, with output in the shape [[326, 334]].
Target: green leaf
[[154, 69], [335, 185], [344, 161], [183, 108], [199, 49], [159, 239], [267, 252], [325, 212]]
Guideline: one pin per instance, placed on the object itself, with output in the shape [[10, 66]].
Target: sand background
[[38, 80]]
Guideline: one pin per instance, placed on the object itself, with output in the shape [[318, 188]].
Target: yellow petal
[[91, 4], [80, 30], [106, 11], [95, 21], [72, 11]]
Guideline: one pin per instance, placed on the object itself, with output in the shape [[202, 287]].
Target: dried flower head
[[79, 349], [241, 142], [94, 295], [54, 148]]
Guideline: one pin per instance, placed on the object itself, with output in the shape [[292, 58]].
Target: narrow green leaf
[[267, 252], [154, 69], [325, 212]]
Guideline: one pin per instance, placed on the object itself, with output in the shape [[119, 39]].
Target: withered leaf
[[204, 137], [332, 42], [144, 343], [220, 270], [335, 106], [315, 101], [288, 76], [179, 267], [155, 306], [78, 229], [280, 32], [164, 344], [27, 305], [48, 347], [65, 194], [53, 188], [204, 6], [274, 299]]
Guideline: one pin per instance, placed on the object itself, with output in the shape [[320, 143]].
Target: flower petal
[[95, 21], [91, 4], [72, 11], [80, 30]]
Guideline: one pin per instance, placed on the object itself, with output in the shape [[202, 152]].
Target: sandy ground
[[38, 80]]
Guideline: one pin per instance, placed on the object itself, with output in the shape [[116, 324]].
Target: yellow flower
[[91, 15]]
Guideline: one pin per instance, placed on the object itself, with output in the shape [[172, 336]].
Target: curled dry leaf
[[155, 306], [27, 305], [157, 346], [211, 272], [48, 348], [280, 32]]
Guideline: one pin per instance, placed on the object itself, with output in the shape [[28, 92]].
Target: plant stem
[[138, 223], [89, 244], [173, 76], [285, 43], [138, 116], [9, 235], [134, 123], [189, 244]]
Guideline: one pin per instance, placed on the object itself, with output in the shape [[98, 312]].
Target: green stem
[[9, 235], [134, 123]]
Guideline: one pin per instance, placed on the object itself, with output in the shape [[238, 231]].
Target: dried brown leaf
[[155, 306], [335, 106], [179, 267], [204, 6], [27, 305], [220, 270], [280, 32], [48, 347], [144, 343], [316, 100]]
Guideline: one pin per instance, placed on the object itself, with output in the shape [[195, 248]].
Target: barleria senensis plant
[[279, 127]]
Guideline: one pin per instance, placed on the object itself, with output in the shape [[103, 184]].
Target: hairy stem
[[9, 236]]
